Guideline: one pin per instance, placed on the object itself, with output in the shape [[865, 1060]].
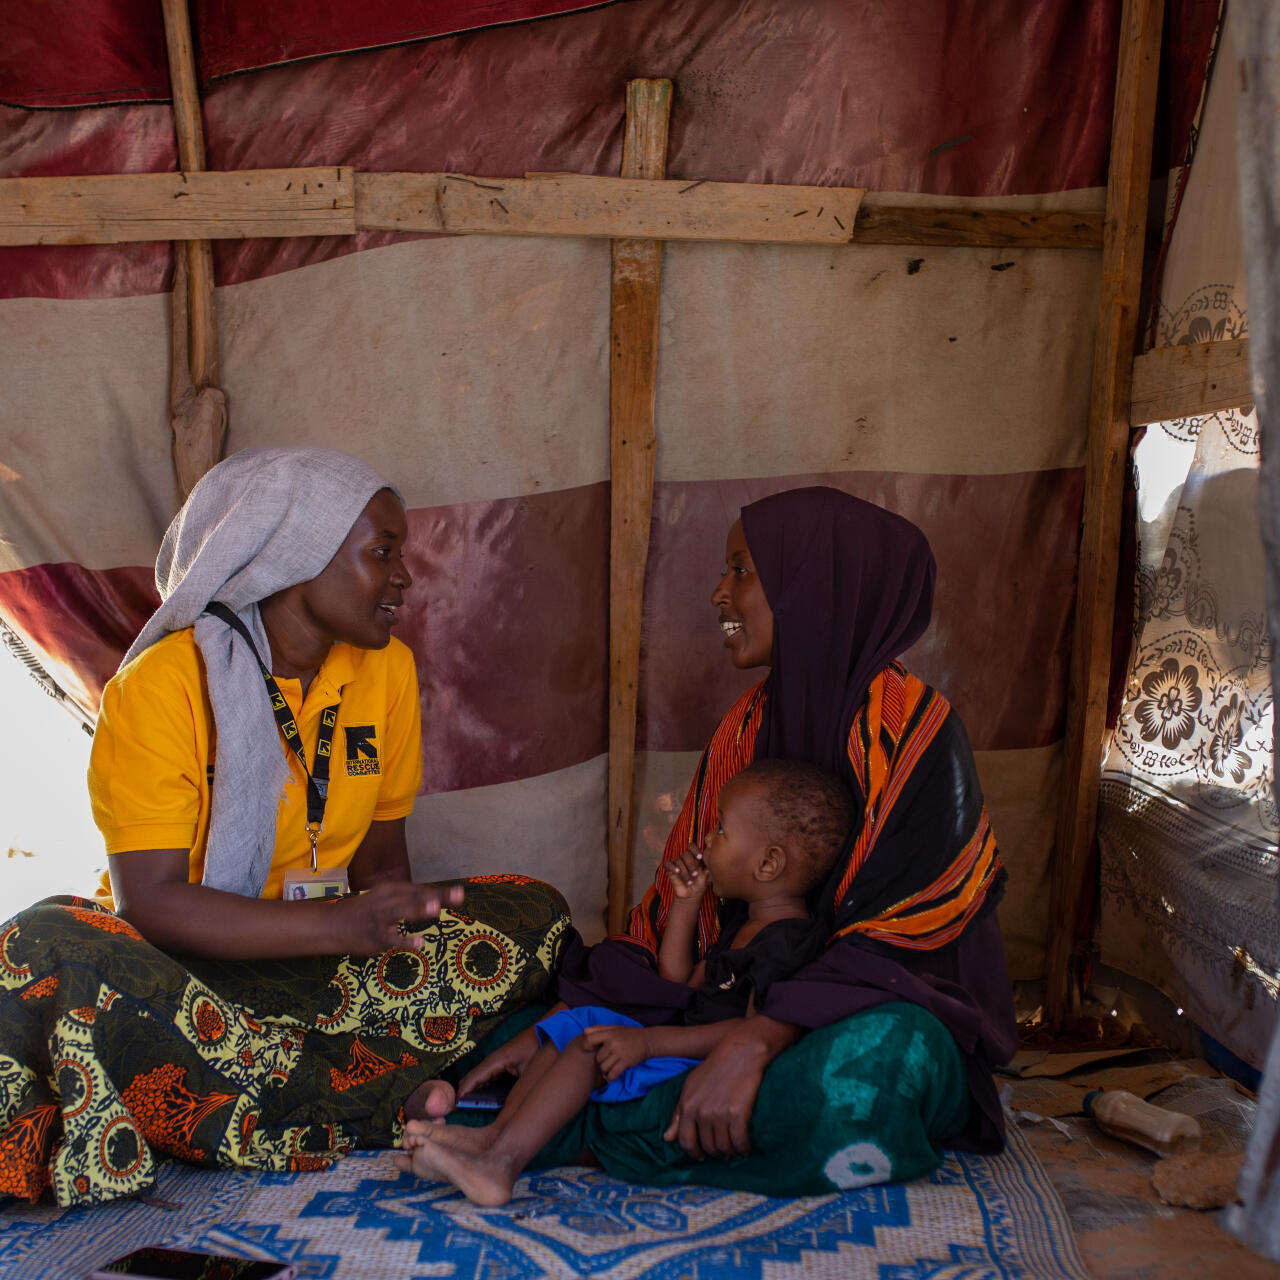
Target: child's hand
[[688, 875], [616, 1048]]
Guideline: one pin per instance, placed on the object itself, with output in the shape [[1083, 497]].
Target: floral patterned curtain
[[1188, 818]]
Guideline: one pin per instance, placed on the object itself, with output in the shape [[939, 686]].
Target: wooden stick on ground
[[633, 372], [1124, 239], [197, 406]]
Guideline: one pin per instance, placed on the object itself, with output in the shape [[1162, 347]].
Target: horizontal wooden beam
[[1181, 382], [978, 228], [571, 204], [113, 208]]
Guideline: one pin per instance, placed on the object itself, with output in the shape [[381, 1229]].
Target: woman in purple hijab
[[870, 1058]]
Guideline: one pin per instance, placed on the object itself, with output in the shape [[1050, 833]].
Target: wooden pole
[[197, 407], [633, 374], [1124, 242]]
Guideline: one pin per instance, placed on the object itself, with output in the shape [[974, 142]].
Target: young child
[[782, 826]]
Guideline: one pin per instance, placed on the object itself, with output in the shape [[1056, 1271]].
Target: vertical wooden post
[[198, 413], [633, 373], [1124, 241]]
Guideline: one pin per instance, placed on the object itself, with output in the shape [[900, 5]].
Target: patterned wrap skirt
[[114, 1053], [872, 1098]]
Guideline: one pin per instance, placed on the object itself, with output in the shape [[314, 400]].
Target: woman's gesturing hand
[[508, 1059], [713, 1115], [371, 922]]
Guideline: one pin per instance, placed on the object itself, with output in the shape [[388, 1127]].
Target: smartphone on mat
[[488, 1097], [155, 1263]]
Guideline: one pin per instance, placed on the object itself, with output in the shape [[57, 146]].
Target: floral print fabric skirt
[[113, 1052]]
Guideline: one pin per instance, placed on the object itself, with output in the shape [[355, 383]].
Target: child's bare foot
[[431, 1100], [416, 1132], [459, 1136], [480, 1177]]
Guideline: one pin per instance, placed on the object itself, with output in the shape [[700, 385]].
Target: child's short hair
[[804, 808]]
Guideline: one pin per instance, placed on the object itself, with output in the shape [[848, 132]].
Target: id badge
[[326, 882]]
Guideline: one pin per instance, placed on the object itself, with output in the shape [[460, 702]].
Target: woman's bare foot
[[480, 1176], [431, 1100]]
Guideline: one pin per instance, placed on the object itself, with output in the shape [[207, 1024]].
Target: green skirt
[[112, 1051], [870, 1099]]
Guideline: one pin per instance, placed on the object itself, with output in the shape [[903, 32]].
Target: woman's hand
[[371, 922], [688, 875], [153, 894], [713, 1115], [508, 1059], [617, 1048]]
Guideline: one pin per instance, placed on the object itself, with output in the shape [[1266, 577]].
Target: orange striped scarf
[[898, 722]]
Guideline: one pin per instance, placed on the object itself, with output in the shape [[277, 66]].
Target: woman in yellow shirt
[[255, 760]]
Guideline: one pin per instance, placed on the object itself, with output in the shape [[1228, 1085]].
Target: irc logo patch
[[362, 750]]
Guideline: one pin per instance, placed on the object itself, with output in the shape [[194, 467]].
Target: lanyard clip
[[313, 834]]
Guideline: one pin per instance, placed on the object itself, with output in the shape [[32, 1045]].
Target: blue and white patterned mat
[[976, 1217]]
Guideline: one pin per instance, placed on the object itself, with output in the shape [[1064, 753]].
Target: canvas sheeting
[[950, 384]]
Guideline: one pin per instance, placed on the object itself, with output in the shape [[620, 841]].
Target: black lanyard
[[318, 775]]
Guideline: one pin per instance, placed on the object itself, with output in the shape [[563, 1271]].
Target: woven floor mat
[[977, 1216]]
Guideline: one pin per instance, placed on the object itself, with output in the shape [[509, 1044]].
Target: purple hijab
[[851, 588]]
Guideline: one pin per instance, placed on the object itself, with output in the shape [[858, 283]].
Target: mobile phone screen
[[488, 1097], [180, 1264]]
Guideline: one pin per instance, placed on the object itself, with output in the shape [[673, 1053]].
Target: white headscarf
[[262, 520]]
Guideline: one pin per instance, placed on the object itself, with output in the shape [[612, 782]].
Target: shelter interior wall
[[950, 384], [474, 373]]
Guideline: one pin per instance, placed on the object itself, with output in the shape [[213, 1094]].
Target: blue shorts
[[565, 1027]]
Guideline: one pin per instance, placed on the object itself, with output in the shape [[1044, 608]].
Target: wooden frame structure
[[234, 205], [197, 405], [638, 211]]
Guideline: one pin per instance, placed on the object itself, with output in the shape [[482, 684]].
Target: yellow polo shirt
[[154, 755]]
